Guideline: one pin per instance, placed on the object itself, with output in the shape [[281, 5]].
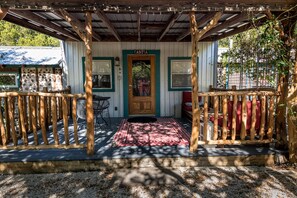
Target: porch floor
[[104, 151]]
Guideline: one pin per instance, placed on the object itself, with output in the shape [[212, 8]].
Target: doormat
[[163, 132], [142, 119]]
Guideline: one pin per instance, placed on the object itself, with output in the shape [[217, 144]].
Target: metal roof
[[141, 20], [43, 56]]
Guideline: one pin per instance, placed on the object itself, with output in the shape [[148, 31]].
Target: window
[[103, 73], [179, 73], [9, 80]]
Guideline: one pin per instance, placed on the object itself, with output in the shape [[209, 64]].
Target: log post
[[195, 37], [194, 78], [11, 118], [22, 119], [30, 118], [271, 119], [42, 114], [216, 116], [88, 88], [34, 120], [243, 117], [263, 117], [205, 120], [253, 124], [65, 119], [2, 129], [234, 117], [74, 104], [292, 118], [26, 113], [7, 124], [54, 119], [225, 117], [86, 35]]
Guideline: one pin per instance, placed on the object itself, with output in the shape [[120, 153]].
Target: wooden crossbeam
[[108, 24], [28, 15], [3, 12], [239, 18], [138, 26], [203, 20], [23, 23], [75, 23], [170, 23], [241, 29]]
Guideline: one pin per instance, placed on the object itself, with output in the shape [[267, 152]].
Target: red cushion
[[187, 97], [238, 116], [249, 115], [220, 120]]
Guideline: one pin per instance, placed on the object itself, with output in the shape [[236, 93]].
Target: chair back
[[81, 109]]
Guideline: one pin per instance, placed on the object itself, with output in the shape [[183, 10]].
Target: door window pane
[[141, 77]]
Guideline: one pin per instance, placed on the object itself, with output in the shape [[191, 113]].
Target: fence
[[32, 113], [238, 117]]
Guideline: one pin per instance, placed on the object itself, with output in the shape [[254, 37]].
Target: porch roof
[[131, 20]]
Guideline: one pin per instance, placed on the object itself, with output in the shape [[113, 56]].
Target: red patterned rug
[[163, 132]]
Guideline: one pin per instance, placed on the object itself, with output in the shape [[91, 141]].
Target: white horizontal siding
[[170, 100]]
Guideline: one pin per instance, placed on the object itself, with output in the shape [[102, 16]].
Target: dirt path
[[156, 182]]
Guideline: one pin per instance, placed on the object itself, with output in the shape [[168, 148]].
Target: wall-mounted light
[[117, 61]]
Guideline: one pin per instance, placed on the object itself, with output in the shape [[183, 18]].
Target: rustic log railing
[[25, 113], [228, 133]]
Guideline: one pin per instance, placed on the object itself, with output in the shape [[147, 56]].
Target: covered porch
[[54, 114], [108, 156]]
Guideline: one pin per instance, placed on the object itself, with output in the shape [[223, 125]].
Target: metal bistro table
[[101, 104]]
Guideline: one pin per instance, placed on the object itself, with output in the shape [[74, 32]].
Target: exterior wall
[[170, 101]]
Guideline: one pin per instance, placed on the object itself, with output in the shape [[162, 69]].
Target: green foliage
[[14, 35], [256, 48]]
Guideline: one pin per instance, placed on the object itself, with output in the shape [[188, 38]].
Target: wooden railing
[[219, 112], [25, 115]]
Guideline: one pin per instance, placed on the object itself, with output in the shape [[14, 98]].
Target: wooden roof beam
[[203, 20], [78, 27], [25, 24], [43, 22], [239, 18], [134, 4], [108, 24], [170, 23], [138, 26], [3, 12], [241, 29]]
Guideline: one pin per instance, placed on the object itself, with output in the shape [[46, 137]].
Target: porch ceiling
[[131, 20]]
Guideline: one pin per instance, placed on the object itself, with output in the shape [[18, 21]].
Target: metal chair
[[100, 106], [81, 110]]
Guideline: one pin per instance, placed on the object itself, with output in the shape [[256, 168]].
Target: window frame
[[170, 59], [112, 81], [17, 80]]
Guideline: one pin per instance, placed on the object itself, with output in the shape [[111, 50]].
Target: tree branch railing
[[231, 108], [25, 119]]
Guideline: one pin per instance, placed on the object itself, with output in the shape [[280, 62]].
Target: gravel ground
[[157, 182]]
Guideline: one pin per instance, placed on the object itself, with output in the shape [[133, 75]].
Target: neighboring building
[[30, 68]]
